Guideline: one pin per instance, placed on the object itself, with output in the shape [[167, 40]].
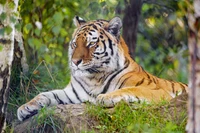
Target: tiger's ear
[[114, 26], [78, 21]]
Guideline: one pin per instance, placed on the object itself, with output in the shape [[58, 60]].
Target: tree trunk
[[130, 23], [193, 125], [8, 19]]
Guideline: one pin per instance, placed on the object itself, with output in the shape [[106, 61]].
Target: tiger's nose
[[76, 61]]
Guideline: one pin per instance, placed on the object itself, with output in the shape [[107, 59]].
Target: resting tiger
[[102, 72]]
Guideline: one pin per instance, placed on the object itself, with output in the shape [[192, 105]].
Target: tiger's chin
[[82, 73]]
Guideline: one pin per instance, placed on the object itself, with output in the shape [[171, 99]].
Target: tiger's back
[[103, 72]]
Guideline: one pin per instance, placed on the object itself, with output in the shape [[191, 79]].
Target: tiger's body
[[102, 72]]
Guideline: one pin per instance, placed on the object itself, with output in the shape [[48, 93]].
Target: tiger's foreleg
[[46, 99], [131, 95]]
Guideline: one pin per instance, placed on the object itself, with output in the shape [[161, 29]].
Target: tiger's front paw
[[31, 108], [26, 111], [109, 100]]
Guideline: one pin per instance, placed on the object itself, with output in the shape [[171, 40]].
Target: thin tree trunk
[[8, 19], [130, 23], [193, 125]]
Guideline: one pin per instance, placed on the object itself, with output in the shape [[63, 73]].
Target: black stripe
[[124, 81], [173, 87], [95, 27], [150, 81], [106, 54], [107, 61], [92, 70], [105, 89], [147, 75], [104, 46], [92, 30], [75, 93], [68, 97], [140, 82], [154, 80], [183, 88], [99, 24], [139, 101], [82, 86], [32, 113], [57, 98], [110, 46], [48, 99]]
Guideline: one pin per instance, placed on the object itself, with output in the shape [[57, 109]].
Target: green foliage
[[3, 16], [137, 118], [162, 40], [1, 48], [6, 30], [3, 2], [18, 27]]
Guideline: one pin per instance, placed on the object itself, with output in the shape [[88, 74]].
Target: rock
[[66, 118], [74, 117]]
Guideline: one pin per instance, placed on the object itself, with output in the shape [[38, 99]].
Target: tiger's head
[[95, 47]]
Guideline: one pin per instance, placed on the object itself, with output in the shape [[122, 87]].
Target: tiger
[[103, 72]]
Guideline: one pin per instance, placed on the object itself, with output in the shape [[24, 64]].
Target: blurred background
[[157, 32]]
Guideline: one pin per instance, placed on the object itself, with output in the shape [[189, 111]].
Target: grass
[[40, 78], [136, 118]]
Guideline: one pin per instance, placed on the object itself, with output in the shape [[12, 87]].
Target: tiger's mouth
[[92, 70]]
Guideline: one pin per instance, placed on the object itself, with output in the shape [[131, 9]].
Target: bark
[[7, 35], [130, 24], [193, 125], [19, 64]]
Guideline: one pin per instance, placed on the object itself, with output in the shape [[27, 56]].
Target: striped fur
[[103, 72]]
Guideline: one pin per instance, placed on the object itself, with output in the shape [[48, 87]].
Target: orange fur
[[144, 85]]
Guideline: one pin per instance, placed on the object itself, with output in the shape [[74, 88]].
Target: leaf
[[2, 30], [3, 16], [28, 27], [11, 4], [18, 27], [12, 19], [56, 30], [1, 48], [37, 32], [30, 42], [34, 43], [8, 30], [3, 2], [58, 17], [36, 72], [63, 32], [43, 49], [59, 53], [37, 43]]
